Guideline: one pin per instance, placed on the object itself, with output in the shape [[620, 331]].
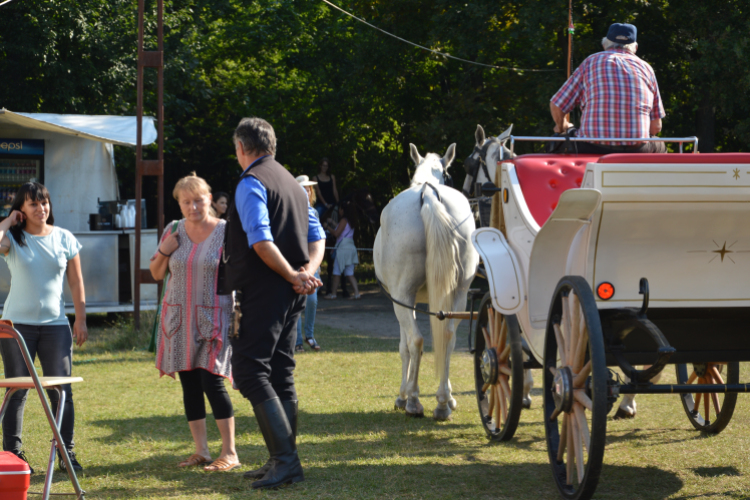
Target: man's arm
[[561, 119], [271, 255], [655, 127]]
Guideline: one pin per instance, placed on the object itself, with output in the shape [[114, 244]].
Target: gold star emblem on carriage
[[721, 251], [736, 173]]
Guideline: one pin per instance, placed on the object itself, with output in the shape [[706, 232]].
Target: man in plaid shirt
[[618, 96]]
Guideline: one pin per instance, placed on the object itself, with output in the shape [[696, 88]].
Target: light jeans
[[310, 308]]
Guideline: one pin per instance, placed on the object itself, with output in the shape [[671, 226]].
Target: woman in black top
[[325, 191]]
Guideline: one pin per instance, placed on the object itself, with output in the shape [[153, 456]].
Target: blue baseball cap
[[622, 33]]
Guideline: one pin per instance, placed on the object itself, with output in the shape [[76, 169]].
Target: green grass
[[131, 432]]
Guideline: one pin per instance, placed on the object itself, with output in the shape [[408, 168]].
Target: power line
[[432, 50]]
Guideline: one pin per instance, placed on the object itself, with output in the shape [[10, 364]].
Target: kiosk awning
[[119, 130]]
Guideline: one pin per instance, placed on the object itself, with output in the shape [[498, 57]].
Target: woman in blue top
[[39, 255]]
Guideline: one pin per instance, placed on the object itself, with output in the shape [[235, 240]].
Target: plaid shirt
[[617, 93]]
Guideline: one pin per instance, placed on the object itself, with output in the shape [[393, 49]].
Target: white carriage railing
[[680, 140]]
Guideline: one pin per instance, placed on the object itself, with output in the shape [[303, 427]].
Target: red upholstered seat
[[543, 178]]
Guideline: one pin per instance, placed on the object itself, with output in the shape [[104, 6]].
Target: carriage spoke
[[580, 353], [498, 407], [580, 396], [706, 406], [486, 338], [570, 452], [698, 398], [580, 379], [485, 387], [504, 355], [579, 450], [712, 369], [492, 327], [563, 438], [582, 425], [505, 369], [503, 335], [692, 378], [504, 401], [553, 370], [560, 343]]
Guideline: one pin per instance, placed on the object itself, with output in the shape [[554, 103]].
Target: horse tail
[[442, 268]]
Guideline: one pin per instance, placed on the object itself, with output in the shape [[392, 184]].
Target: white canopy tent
[[79, 164]]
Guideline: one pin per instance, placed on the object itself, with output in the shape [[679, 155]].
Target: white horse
[[423, 253]]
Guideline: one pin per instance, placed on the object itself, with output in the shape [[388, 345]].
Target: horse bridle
[[472, 165]]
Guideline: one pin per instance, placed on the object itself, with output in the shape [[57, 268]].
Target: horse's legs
[[627, 408], [410, 348], [446, 402], [528, 384]]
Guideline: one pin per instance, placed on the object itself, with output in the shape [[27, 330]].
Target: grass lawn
[[131, 432]]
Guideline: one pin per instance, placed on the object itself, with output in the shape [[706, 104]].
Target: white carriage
[[618, 260]]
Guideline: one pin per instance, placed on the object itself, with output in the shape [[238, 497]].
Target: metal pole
[[138, 176], [685, 389]]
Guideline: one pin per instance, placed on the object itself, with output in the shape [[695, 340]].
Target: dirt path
[[373, 315]]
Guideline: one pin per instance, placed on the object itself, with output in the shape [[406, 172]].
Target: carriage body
[[677, 220], [616, 260]]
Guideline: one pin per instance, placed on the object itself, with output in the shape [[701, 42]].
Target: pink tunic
[[194, 320]]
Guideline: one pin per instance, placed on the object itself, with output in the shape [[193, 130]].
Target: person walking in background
[[39, 255], [271, 251], [326, 193], [311, 306], [220, 204], [192, 334], [346, 250]]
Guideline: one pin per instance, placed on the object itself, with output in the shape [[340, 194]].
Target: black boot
[[285, 465], [290, 408]]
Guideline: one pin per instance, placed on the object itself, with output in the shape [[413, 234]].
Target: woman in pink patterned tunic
[[192, 335]]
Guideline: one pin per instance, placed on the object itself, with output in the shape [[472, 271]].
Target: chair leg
[[58, 441], [51, 462]]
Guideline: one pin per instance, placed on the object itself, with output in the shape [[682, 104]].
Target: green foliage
[[334, 87]]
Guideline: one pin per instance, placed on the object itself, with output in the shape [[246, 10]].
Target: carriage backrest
[[544, 177]]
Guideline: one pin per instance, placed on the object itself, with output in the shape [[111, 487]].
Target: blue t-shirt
[[37, 270]]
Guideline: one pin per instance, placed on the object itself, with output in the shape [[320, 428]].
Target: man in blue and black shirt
[[271, 252]]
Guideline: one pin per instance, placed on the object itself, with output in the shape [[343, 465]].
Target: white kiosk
[[73, 156]]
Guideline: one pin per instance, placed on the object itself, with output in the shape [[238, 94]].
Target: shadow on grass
[[342, 479], [390, 424]]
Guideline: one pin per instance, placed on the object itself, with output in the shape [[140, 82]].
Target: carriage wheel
[[498, 371], [716, 411], [575, 389]]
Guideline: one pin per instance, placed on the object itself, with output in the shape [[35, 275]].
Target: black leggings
[[197, 382]]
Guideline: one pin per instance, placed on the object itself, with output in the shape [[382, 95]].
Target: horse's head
[[432, 168], [481, 164]]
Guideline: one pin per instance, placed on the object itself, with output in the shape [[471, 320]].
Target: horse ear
[[479, 135], [505, 135], [414, 154], [450, 154]]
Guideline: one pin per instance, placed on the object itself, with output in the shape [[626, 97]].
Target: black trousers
[[54, 346], [263, 354], [197, 382]]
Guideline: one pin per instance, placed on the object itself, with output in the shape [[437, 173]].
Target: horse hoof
[[622, 414], [442, 414], [414, 409], [452, 404], [400, 404], [526, 404]]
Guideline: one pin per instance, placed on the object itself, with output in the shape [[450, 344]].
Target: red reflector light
[[605, 290]]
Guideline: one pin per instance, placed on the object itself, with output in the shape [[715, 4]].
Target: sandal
[[313, 345], [222, 465], [299, 348], [355, 297], [195, 459]]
